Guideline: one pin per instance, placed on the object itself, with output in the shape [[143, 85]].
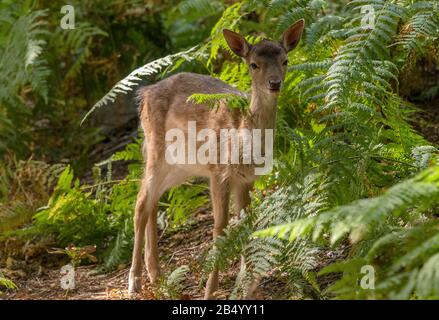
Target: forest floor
[[185, 247], [181, 248]]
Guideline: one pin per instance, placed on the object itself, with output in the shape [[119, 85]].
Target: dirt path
[[185, 247]]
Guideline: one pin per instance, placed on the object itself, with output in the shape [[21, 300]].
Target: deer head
[[267, 60]]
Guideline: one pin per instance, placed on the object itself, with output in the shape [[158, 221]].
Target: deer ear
[[237, 43], [292, 35]]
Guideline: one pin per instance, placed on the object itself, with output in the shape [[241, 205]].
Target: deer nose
[[274, 84]]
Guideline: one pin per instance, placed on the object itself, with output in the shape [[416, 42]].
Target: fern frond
[[24, 44], [312, 66], [342, 220], [78, 43], [231, 100], [427, 284], [423, 155], [423, 24], [121, 249], [172, 286], [229, 20], [129, 82], [200, 8]]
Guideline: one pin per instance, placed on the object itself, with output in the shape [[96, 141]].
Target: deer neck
[[263, 109]]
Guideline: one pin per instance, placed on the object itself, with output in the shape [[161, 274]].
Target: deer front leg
[[242, 201], [241, 193], [219, 193]]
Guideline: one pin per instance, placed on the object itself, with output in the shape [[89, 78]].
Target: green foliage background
[[351, 171]]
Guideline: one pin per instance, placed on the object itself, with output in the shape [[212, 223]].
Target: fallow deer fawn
[[164, 107]]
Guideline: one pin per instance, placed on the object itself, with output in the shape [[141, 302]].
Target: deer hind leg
[[140, 220], [170, 177], [147, 200], [219, 192]]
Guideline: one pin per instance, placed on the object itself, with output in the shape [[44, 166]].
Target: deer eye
[[253, 66], [285, 63]]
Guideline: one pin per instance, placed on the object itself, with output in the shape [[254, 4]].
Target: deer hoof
[[209, 296], [134, 285], [154, 275]]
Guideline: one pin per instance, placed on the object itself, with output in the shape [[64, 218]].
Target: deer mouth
[[274, 90]]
